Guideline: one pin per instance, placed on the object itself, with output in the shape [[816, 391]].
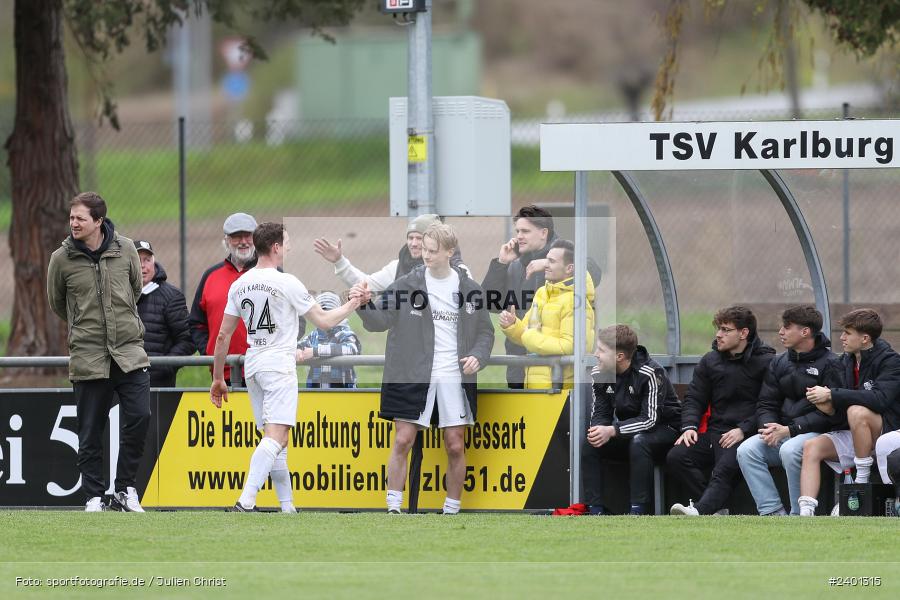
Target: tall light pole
[[416, 14]]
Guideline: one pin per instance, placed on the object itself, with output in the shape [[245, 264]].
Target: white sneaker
[[127, 501], [836, 511], [95, 504], [688, 511]]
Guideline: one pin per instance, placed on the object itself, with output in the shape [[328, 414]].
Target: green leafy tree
[[863, 27], [42, 156]]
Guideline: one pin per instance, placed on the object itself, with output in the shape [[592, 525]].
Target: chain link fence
[[728, 238]]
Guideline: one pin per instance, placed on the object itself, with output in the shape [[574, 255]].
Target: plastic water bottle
[[853, 496]]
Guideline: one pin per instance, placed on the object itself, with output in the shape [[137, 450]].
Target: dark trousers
[[94, 399], [689, 466], [639, 451]]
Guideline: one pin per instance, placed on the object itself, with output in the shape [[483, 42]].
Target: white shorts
[[273, 396], [843, 444], [887, 443], [452, 404]]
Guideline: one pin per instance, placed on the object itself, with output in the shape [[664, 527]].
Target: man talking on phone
[[518, 272]]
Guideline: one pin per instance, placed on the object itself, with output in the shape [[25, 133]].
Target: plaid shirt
[[337, 341]]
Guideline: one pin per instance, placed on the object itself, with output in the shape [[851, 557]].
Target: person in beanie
[[163, 312], [339, 340], [93, 284], [409, 258]]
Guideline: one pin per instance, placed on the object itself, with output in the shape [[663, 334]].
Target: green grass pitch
[[373, 555]]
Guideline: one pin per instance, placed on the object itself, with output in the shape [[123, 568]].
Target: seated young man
[[867, 391], [786, 419], [727, 381], [633, 419]]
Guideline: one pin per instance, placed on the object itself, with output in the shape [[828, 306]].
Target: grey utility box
[[472, 156]]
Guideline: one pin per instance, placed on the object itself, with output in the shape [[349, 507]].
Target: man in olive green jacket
[[93, 283]]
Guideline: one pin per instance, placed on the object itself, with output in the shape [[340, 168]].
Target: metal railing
[[678, 367]]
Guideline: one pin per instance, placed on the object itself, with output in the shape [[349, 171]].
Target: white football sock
[[394, 499], [281, 481], [451, 507], [260, 465], [807, 506], [863, 468]]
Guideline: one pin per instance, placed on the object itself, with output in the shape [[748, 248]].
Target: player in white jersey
[[438, 342], [270, 304]]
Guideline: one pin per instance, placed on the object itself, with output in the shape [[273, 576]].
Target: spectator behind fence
[[518, 272], [634, 417], [786, 419], [163, 311], [212, 291], [548, 328], [727, 380], [865, 397], [339, 340], [409, 258], [93, 283], [434, 351]]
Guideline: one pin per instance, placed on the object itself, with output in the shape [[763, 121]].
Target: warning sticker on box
[[417, 149]]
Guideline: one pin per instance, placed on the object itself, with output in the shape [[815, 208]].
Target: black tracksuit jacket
[[642, 398]]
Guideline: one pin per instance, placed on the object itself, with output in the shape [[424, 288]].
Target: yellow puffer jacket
[[554, 309]]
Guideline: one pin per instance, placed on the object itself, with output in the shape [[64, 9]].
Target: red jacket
[[209, 309]]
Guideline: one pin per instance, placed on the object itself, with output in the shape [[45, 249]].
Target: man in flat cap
[[212, 291]]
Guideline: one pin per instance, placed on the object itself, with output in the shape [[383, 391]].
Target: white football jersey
[[270, 303]]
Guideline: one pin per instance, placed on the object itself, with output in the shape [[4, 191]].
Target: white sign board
[[720, 145]]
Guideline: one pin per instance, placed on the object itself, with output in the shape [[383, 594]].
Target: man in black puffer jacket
[[634, 417], [786, 419], [163, 310], [727, 380]]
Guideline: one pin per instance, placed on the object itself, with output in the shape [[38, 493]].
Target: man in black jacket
[[518, 272], [727, 380], [163, 310], [786, 419], [438, 340], [867, 392], [634, 417]]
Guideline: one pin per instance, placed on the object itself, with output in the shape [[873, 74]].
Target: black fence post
[[182, 206]]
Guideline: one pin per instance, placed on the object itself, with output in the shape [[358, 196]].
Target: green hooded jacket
[[98, 301]]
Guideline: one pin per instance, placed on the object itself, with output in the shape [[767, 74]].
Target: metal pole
[[181, 57], [420, 182], [580, 325], [182, 205], [846, 196], [420, 119], [661, 256]]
